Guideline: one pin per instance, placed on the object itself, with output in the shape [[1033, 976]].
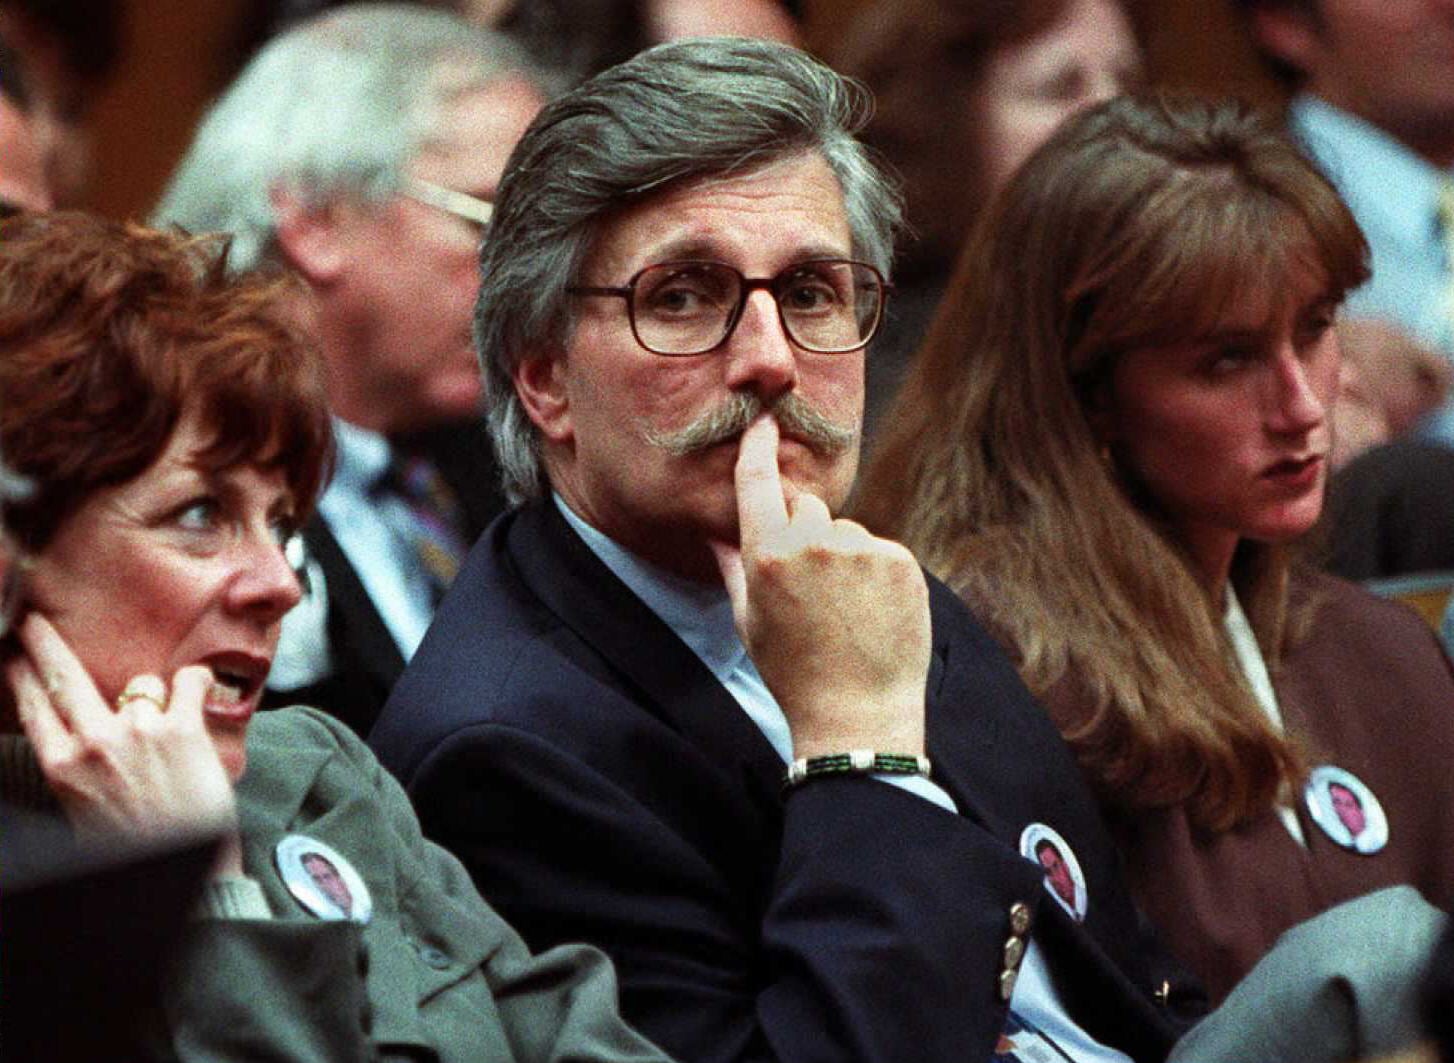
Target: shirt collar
[[1377, 174], [363, 458], [699, 613]]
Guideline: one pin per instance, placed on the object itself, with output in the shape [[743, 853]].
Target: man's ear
[[540, 382], [1288, 33], [311, 237]]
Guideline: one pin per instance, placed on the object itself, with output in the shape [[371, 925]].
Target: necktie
[[435, 518]]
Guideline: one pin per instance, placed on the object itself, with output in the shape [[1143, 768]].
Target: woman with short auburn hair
[[110, 336], [168, 434], [1114, 433]]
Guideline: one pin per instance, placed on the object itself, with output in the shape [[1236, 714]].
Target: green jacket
[[434, 975]]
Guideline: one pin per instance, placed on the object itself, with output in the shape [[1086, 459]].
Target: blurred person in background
[[670, 20], [1374, 104], [360, 151], [576, 38], [585, 37], [965, 91], [69, 49], [171, 423]]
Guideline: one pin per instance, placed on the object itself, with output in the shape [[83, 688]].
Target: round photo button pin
[[1345, 808], [322, 880], [1064, 879]]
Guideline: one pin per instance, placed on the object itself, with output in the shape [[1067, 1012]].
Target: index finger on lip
[[761, 509], [190, 687]]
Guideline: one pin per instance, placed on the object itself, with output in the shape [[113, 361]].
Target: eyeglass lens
[[688, 307]]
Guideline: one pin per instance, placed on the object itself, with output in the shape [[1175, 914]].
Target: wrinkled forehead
[[757, 220]]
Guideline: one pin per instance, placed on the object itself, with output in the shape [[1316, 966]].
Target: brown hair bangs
[[1140, 222], [111, 333], [1207, 236]]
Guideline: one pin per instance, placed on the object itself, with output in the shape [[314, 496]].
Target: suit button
[[1014, 953], [1019, 917], [1162, 994], [1007, 984]]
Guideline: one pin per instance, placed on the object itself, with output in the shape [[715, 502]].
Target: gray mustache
[[728, 421]]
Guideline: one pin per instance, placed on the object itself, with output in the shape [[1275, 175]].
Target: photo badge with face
[[1346, 809], [1064, 879], [322, 880]]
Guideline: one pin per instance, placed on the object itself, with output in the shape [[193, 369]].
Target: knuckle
[[89, 757], [771, 565], [820, 552]]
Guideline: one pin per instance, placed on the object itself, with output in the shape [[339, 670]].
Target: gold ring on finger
[[143, 688]]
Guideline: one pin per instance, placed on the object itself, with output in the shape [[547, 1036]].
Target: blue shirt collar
[[363, 458], [699, 613]]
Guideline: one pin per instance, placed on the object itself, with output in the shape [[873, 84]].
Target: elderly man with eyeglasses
[[672, 705], [360, 150]]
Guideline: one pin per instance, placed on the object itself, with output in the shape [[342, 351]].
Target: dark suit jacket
[[602, 786], [1391, 512], [366, 659]]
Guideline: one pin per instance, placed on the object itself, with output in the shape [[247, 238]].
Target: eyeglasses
[[826, 305], [460, 204]]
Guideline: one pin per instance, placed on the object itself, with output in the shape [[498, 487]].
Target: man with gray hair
[[672, 706], [360, 151]]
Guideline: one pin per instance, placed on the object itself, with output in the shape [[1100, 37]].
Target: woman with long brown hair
[[1114, 433]]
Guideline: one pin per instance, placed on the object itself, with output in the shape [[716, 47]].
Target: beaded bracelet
[[855, 762]]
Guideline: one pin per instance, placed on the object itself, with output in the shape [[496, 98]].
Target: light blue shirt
[[373, 529], [1394, 194], [701, 616]]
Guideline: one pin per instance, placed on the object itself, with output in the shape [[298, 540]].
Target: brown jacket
[[1368, 689]]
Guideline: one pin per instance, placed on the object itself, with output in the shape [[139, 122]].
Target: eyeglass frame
[[450, 200], [749, 285]]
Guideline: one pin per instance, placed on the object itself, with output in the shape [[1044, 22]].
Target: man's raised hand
[[836, 619]]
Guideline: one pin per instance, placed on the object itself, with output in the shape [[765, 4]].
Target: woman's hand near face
[[145, 769]]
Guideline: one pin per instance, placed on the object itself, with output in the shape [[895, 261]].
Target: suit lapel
[[355, 625], [963, 719], [662, 671]]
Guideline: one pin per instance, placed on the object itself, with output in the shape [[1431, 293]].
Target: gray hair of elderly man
[[680, 111], [334, 108]]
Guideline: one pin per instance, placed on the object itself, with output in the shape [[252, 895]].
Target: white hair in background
[[335, 107]]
